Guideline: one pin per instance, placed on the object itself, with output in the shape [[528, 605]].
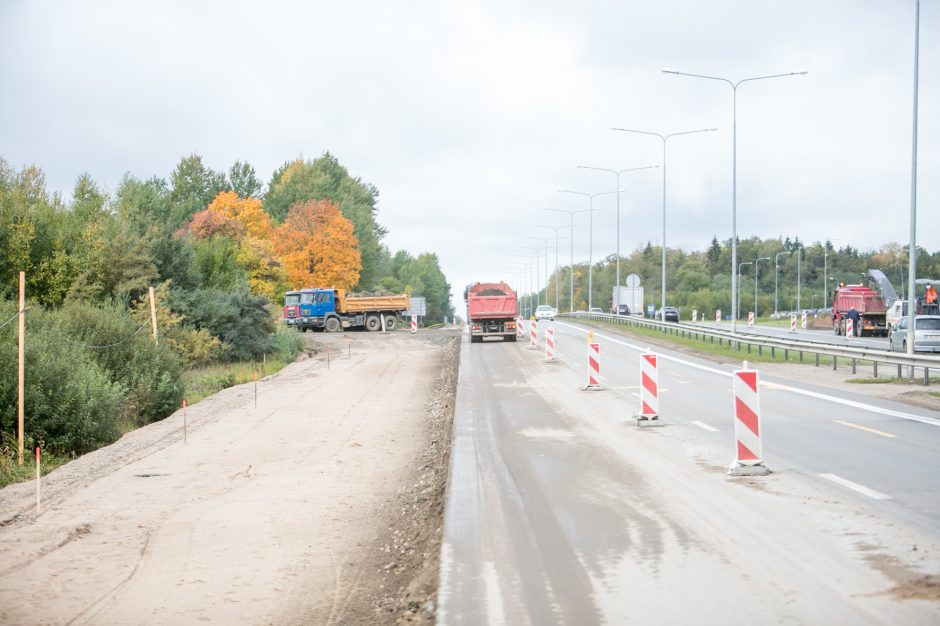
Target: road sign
[[650, 309], [416, 306]]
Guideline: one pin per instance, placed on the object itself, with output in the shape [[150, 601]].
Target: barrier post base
[[596, 387], [738, 469], [643, 421]]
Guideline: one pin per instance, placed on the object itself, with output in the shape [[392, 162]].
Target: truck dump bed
[[362, 304], [491, 301]]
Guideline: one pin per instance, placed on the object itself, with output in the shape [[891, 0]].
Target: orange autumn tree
[[318, 247], [244, 221]]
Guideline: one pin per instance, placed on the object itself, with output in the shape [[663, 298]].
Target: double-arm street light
[[736, 305], [617, 173], [756, 276], [664, 139], [525, 268], [557, 277], [777, 275], [571, 215], [591, 209], [734, 164]]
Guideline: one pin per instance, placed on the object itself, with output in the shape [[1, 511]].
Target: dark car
[[622, 309], [668, 314]]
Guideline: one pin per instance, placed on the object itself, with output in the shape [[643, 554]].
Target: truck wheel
[[476, 339], [373, 323], [390, 322], [835, 327], [510, 337], [332, 325]]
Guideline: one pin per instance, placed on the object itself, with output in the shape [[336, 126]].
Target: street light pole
[[571, 215], [737, 305], [665, 139], [591, 209], [756, 276], [557, 276], [617, 173], [525, 280], [912, 248], [825, 276], [777, 274], [799, 257], [734, 164]]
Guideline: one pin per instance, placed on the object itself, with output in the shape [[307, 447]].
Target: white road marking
[[803, 392], [705, 426], [871, 493], [637, 396]]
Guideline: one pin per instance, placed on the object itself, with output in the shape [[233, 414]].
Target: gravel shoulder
[[322, 505]]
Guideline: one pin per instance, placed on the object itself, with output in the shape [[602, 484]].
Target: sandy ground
[[320, 506]]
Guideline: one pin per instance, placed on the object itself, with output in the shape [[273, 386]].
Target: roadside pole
[[153, 317], [21, 365]]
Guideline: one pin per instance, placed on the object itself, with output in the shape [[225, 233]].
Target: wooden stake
[[38, 474], [153, 317], [256, 390], [184, 421], [21, 365]]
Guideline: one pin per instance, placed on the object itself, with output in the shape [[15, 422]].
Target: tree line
[[220, 247], [701, 279]]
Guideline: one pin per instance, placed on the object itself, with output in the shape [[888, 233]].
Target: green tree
[[192, 188], [244, 181]]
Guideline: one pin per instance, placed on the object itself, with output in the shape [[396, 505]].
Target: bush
[[71, 402], [150, 374], [240, 320], [288, 343]]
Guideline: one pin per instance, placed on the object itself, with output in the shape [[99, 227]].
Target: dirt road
[[322, 505]]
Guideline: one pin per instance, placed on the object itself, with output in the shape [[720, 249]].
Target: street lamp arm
[[689, 132], [794, 73], [667, 70], [640, 132]]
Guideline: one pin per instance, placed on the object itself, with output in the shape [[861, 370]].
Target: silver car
[[926, 334], [544, 312]]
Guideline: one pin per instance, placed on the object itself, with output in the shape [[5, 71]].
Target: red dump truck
[[491, 311], [869, 305]]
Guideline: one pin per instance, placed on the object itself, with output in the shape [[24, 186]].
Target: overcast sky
[[468, 116]]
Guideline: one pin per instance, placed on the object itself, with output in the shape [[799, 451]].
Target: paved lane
[[816, 336], [559, 511]]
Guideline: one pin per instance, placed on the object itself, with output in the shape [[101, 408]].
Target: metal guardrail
[[834, 351]]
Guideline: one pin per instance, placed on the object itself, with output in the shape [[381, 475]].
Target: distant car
[[926, 334], [595, 309], [544, 312], [622, 309], [668, 314]]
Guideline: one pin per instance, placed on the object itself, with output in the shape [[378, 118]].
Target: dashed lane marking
[[871, 493], [705, 426]]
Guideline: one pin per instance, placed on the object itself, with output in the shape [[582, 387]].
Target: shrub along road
[[322, 505]]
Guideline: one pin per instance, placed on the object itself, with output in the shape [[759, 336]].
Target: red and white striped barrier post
[[718, 316], [748, 460], [803, 320], [649, 390], [694, 315], [414, 324], [549, 344], [849, 328], [792, 323], [750, 319], [520, 329], [594, 367], [533, 335]]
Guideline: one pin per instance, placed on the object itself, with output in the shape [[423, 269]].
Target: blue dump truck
[[332, 310]]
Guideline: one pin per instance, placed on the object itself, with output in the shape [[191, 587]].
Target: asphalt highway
[[561, 511], [809, 334]]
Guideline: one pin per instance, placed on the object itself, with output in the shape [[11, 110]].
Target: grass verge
[[11, 472], [890, 380]]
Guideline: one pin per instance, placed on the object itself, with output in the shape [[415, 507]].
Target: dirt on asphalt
[[322, 505]]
